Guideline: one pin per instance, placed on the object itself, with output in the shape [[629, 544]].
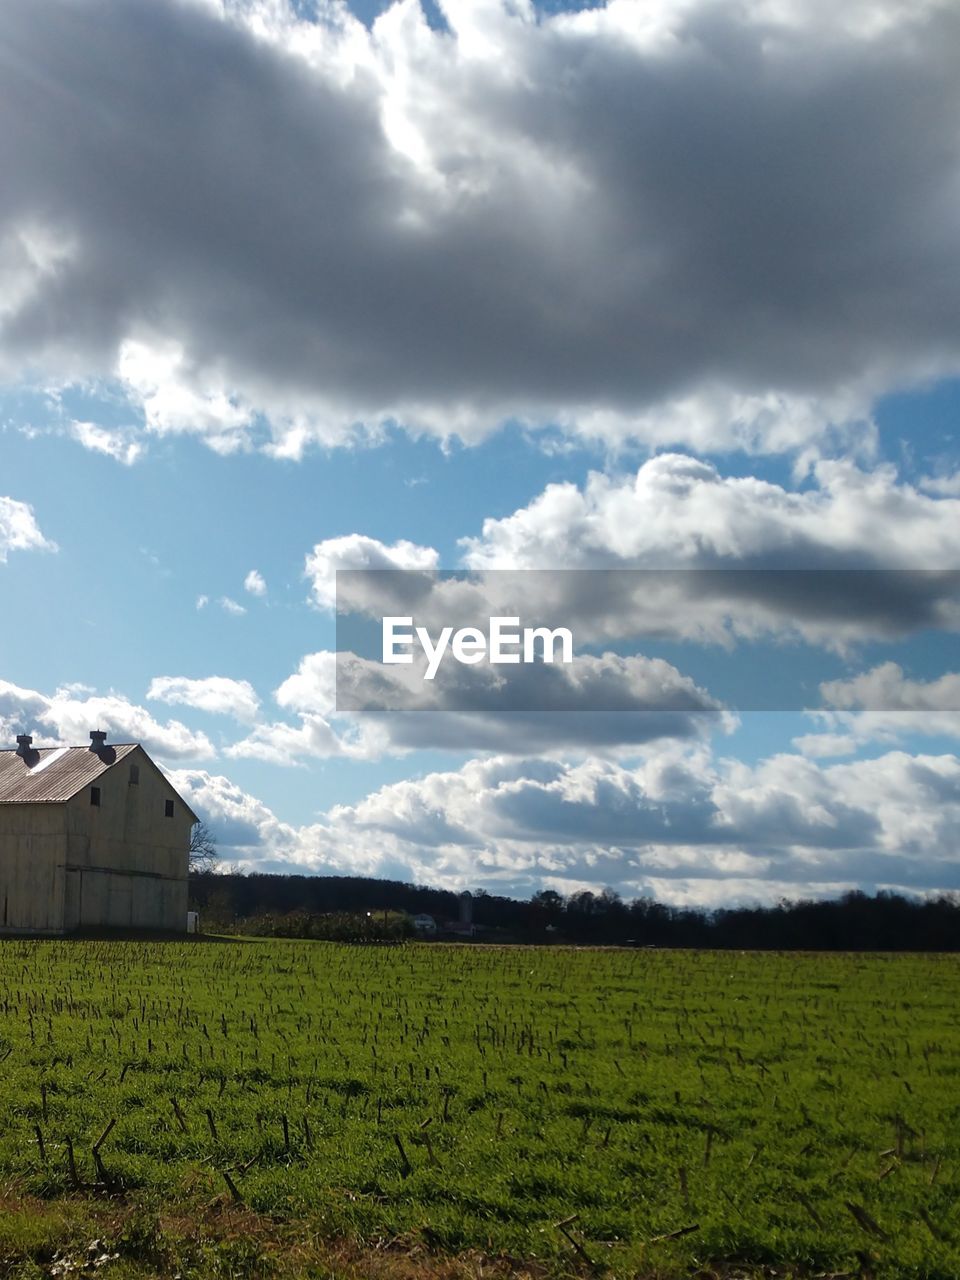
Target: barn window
[[95, 796], [168, 808], [134, 774]]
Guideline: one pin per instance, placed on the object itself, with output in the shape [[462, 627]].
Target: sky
[[287, 289]]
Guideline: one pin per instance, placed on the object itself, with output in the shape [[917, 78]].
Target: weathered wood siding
[[126, 861], [120, 864], [32, 842]]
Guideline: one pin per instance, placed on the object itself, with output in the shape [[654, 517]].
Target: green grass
[[463, 1101]]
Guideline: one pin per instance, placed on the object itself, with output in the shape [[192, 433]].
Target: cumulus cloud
[[682, 826], [73, 711], [680, 818], [254, 583], [356, 551], [887, 688], [242, 825], [605, 704], [310, 694], [19, 530], [883, 704], [678, 551], [716, 225], [314, 737], [231, 606], [855, 554], [596, 703], [312, 688], [250, 837], [217, 694], [681, 512], [156, 376]]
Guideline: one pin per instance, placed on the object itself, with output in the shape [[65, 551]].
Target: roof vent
[[98, 741], [24, 745]]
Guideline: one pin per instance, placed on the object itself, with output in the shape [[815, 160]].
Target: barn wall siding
[[119, 864], [126, 860], [32, 840]]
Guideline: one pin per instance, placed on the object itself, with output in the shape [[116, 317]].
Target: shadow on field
[[150, 935], [125, 935]]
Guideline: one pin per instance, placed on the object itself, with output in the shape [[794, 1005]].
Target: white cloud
[[217, 694], [250, 837], [231, 606], [718, 555], [682, 826], [313, 686], [885, 688], [679, 815], [356, 551], [885, 705], [711, 225], [117, 444], [242, 825], [19, 530], [320, 733], [72, 712], [202, 602], [254, 583], [680, 512], [820, 745], [948, 484], [314, 738], [154, 375]]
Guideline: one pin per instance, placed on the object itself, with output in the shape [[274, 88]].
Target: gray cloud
[[676, 551], [728, 224], [594, 703], [885, 705], [607, 704]]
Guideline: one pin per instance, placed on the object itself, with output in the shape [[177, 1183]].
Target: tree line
[[307, 906]]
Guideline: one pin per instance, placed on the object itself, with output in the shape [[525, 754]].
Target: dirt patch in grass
[[83, 1237], [88, 1238]]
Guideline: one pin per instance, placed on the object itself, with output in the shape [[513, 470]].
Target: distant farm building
[[425, 924], [463, 927], [90, 837]]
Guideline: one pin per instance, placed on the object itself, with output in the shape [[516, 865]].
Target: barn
[[90, 837]]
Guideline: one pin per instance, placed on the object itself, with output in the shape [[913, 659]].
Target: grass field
[[283, 1108]]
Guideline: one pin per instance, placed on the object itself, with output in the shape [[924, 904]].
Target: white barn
[[90, 837]]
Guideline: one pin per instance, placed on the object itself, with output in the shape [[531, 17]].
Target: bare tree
[[203, 848]]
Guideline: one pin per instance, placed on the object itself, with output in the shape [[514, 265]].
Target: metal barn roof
[[51, 774]]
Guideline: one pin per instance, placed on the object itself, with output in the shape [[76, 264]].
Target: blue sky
[[508, 288]]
